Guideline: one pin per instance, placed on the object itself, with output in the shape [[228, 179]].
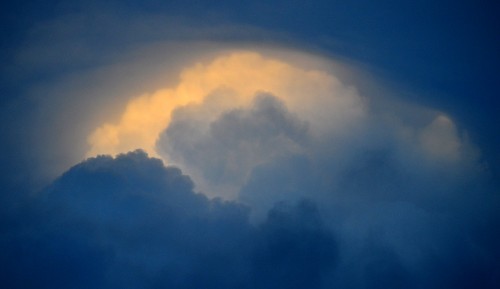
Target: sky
[[249, 144]]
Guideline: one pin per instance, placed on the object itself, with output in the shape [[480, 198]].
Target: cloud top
[[238, 75]]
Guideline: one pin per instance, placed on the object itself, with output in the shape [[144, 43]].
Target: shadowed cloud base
[[130, 222]]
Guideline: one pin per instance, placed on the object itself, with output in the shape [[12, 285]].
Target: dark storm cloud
[[130, 222]]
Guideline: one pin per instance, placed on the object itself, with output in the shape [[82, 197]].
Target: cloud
[[239, 74], [130, 222], [292, 238], [397, 187], [440, 138], [264, 143], [326, 182], [226, 150], [69, 73]]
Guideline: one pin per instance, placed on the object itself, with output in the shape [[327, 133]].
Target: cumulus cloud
[[226, 150], [297, 174], [299, 181], [381, 155], [397, 187], [130, 222], [238, 74]]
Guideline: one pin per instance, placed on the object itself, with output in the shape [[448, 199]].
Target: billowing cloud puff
[[238, 75], [207, 111], [226, 150]]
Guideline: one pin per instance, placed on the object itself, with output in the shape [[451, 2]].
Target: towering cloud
[[293, 180], [242, 145], [316, 133], [234, 76]]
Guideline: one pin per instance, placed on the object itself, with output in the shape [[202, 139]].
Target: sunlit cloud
[[246, 161], [315, 94], [440, 138], [188, 123]]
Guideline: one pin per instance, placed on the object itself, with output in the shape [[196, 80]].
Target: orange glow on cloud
[[440, 138], [313, 94]]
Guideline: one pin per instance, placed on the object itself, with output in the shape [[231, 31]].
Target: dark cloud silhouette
[[130, 222], [292, 252]]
